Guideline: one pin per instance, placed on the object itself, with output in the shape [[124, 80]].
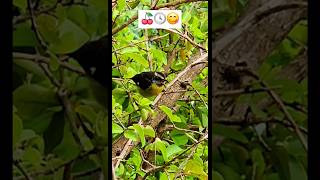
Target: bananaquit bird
[[150, 83]]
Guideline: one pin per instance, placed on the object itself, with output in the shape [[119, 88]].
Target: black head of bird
[[150, 83]]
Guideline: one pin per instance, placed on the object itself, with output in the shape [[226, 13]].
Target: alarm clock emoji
[[159, 18]]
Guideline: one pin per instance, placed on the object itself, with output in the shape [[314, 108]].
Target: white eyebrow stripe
[[159, 75]]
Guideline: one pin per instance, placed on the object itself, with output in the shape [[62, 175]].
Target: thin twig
[[187, 38], [242, 91], [48, 73], [142, 156], [148, 52], [71, 116], [184, 163], [261, 140], [21, 169], [86, 173], [34, 25], [43, 59], [139, 42], [198, 93], [244, 123], [281, 104], [117, 29], [186, 130]]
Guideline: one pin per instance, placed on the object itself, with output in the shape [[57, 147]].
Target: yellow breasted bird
[[150, 83]]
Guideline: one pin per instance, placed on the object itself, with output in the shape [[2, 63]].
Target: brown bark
[[250, 41]]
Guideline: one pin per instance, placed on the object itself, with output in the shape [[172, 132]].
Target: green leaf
[[130, 50], [78, 14], [54, 62], [103, 158], [273, 176], [68, 149], [186, 18], [193, 167], [135, 158], [27, 70], [169, 113], [138, 58], [159, 56], [32, 156], [87, 112], [133, 3], [258, 160], [54, 133], [119, 94], [121, 4], [295, 149], [120, 170], [36, 105], [23, 36], [116, 129], [48, 28], [300, 32], [27, 134], [217, 176], [145, 102], [173, 149], [162, 147], [140, 131], [22, 4], [297, 170], [17, 128], [257, 111], [144, 114], [101, 128], [179, 138], [71, 38], [164, 176], [129, 72], [280, 160], [229, 132], [83, 164], [131, 134], [149, 131], [227, 172]]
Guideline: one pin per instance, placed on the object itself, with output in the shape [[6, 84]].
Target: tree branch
[[46, 60]]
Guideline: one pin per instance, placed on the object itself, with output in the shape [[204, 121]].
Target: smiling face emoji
[[172, 18]]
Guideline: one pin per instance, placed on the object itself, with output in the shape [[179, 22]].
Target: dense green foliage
[[174, 148], [53, 102]]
